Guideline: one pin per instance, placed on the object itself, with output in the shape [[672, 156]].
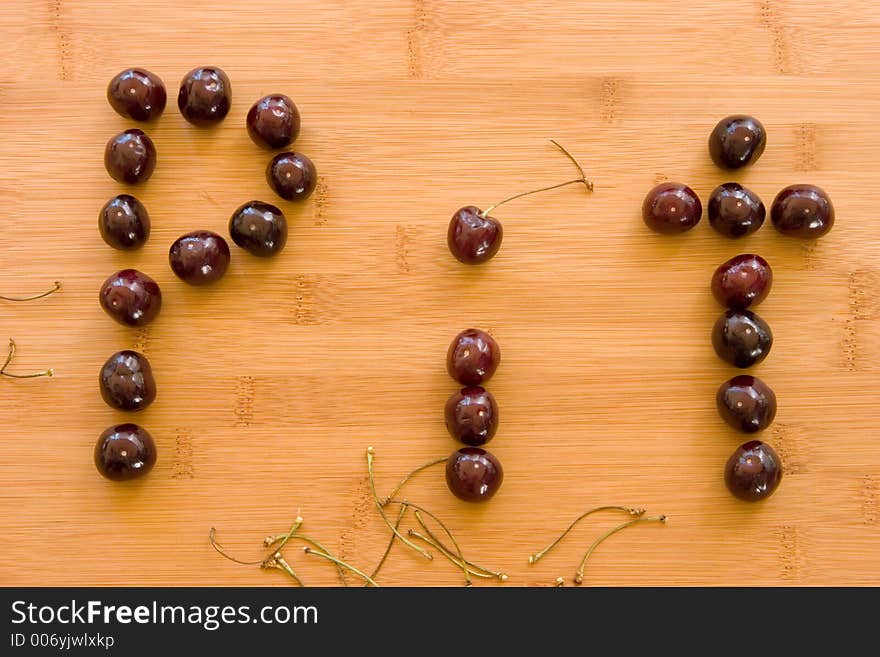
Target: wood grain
[[273, 382]]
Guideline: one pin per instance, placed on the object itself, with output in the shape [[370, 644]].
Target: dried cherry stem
[[10, 356], [583, 179], [633, 512], [451, 557], [403, 481], [390, 543], [297, 523], [579, 576], [54, 289], [380, 506], [212, 536], [283, 565], [442, 547], [339, 562]]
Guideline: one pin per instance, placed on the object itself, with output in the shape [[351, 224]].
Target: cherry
[[753, 471], [292, 176], [473, 237], [125, 451], [124, 222], [137, 94], [746, 403], [741, 338], [259, 228], [200, 257], [473, 474], [126, 381], [473, 357], [744, 280], [130, 157], [735, 211], [472, 416], [671, 208], [205, 96], [273, 122], [802, 211], [131, 298], [737, 141]]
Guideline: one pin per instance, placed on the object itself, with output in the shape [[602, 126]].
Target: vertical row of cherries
[[740, 337]]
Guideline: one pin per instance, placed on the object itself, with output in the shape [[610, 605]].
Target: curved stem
[[579, 576], [283, 565], [403, 481], [297, 523], [380, 507], [316, 544], [633, 512], [583, 179], [54, 289], [214, 544], [441, 546], [339, 562], [451, 557], [390, 543], [10, 356]]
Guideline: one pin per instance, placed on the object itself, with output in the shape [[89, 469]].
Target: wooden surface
[[273, 382]]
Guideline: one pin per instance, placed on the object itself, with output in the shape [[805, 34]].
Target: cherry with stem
[[33, 375], [631, 511], [55, 288], [579, 575]]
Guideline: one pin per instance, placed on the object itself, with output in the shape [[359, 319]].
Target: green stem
[[579, 576], [390, 543], [54, 289], [633, 512], [341, 563]]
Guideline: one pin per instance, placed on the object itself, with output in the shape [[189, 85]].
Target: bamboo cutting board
[[273, 382]]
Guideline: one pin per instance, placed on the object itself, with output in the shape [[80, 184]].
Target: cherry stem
[[441, 546], [451, 557], [296, 525], [212, 536], [380, 507], [403, 481], [560, 582], [49, 372], [583, 179], [283, 565], [390, 543], [54, 289], [633, 512], [339, 562], [579, 576]]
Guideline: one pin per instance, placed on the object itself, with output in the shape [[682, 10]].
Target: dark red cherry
[[125, 452], [744, 280], [131, 298], [746, 403], [737, 141], [259, 228], [292, 176], [124, 222], [753, 472], [137, 94], [473, 238], [735, 211], [741, 338], [126, 381], [273, 122], [472, 416], [130, 157], [802, 211], [473, 357], [671, 208], [200, 257], [473, 474], [205, 96]]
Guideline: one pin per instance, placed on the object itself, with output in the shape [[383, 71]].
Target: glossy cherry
[[131, 297], [735, 211], [273, 122], [126, 381], [753, 471], [205, 96], [473, 474], [125, 451], [737, 141], [741, 338], [137, 94], [130, 157], [744, 280], [124, 223], [473, 357], [259, 228], [292, 176], [671, 208], [746, 403], [802, 211], [200, 257], [473, 238], [472, 416]]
